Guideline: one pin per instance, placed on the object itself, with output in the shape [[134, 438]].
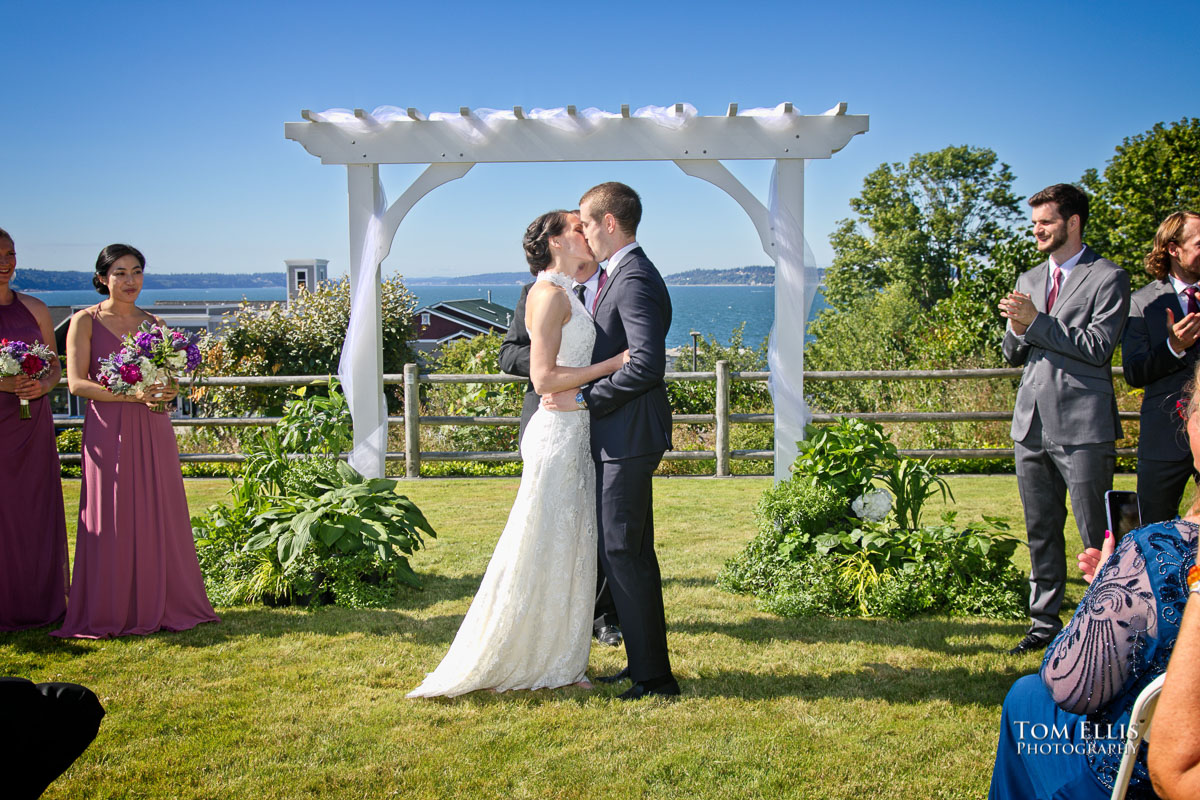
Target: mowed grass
[[280, 703]]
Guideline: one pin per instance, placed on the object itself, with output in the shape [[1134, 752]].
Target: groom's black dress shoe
[[663, 687], [608, 634], [1031, 642], [623, 675]]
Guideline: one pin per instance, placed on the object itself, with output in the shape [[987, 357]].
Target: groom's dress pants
[[625, 515]]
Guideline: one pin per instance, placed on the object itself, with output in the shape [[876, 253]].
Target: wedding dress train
[[529, 625]]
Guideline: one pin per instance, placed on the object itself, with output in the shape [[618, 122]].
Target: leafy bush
[[846, 455], [301, 337], [811, 555], [70, 440], [303, 527]]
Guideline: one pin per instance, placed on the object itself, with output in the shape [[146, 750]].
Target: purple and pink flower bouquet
[[19, 358], [151, 354]]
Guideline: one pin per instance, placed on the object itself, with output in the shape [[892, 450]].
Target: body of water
[[713, 310]]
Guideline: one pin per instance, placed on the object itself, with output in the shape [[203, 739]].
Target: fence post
[[722, 410], [412, 422]]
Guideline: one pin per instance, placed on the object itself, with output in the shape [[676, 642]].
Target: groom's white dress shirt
[[616, 257], [590, 287]]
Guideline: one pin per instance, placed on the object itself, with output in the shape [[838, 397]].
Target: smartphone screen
[[1123, 512]]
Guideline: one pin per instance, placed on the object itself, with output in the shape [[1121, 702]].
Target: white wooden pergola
[[452, 143]]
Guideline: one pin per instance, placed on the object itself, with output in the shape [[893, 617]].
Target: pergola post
[[364, 354], [791, 311]]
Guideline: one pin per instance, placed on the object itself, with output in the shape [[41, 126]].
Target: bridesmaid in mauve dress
[[33, 530], [135, 561]]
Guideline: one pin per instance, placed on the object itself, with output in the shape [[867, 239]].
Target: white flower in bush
[[873, 505]]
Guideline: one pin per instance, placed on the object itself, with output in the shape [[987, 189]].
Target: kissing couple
[[584, 508]]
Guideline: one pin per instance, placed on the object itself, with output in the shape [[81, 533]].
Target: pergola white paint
[[452, 143]]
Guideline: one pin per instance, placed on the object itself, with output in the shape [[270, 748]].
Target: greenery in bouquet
[[19, 358], [845, 537], [303, 527]]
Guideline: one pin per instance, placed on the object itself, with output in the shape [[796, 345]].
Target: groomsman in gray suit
[[1064, 321], [1159, 355]]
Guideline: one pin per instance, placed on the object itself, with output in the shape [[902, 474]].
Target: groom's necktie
[[1193, 307], [599, 288], [579, 290], [1055, 287]]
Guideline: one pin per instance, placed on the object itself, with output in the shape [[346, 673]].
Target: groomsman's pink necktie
[[599, 288], [1054, 287]]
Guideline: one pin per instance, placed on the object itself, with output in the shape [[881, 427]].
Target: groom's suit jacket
[[1067, 353], [1148, 363], [514, 359], [630, 412]]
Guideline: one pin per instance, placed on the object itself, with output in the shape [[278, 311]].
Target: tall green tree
[[924, 224], [1151, 175]]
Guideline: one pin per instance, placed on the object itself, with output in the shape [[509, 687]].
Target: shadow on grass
[[936, 634], [261, 621], [872, 681]]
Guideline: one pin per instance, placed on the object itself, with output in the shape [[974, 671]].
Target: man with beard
[[1064, 320], [1159, 355]]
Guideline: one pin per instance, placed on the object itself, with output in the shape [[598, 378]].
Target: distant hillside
[[49, 280], [739, 276], [482, 279]]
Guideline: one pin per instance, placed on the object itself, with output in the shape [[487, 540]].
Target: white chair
[[1139, 729]]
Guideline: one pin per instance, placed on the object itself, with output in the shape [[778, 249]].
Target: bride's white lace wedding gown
[[530, 624]]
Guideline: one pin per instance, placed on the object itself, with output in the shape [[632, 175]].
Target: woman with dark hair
[[33, 530], [530, 624], [135, 562], [1062, 730]]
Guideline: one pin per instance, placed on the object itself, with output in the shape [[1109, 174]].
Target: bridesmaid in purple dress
[[33, 530], [135, 561]]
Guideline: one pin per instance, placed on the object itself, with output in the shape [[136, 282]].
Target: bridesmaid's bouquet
[[19, 358], [151, 354]]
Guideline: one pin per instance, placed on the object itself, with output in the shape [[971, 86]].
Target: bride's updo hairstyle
[[537, 238], [108, 256]]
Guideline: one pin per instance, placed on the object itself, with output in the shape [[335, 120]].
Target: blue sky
[[161, 123]]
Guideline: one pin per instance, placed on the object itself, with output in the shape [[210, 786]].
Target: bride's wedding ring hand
[[561, 401]]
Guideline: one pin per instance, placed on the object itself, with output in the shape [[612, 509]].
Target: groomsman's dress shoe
[[623, 675], [1031, 642], [608, 634], [661, 687]]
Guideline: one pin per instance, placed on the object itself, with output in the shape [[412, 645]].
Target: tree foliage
[[301, 337], [1151, 175], [925, 224]]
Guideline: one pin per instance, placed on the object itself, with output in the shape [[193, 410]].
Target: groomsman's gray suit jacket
[[1148, 363], [1067, 353]]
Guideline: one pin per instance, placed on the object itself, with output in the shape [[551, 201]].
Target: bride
[[530, 624]]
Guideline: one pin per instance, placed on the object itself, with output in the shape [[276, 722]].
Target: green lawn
[[292, 704]]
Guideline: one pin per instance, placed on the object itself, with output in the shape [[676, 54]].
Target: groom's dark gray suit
[[631, 429], [1065, 422]]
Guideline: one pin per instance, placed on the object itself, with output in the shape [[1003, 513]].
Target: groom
[[631, 429]]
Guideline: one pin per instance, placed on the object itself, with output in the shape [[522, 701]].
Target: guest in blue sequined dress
[[1062, 730]]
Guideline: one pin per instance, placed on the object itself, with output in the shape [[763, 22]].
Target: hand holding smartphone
[[1123, 512]]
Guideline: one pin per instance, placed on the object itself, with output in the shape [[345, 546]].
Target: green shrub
[[303, 527], [846, 455], [70, 440], [812, 556]]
